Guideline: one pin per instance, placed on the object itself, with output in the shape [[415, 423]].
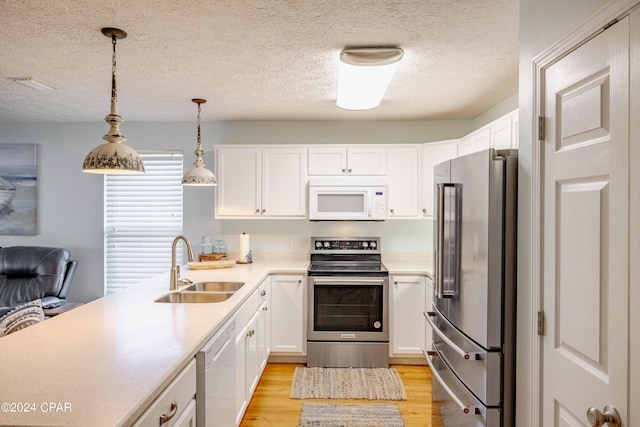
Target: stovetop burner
[[346, 256]]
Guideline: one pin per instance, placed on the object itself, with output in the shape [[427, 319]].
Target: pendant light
[[199, 175], [113, 157]]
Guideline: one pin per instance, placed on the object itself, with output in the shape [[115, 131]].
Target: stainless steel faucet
[[175, 269]]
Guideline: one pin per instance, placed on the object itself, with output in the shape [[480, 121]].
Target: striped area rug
[[336, 415], [347, 383]]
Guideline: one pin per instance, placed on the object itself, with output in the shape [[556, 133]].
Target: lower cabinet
[[408, 303], [188, 417], [288, 317], [252, 345], [176, 404]]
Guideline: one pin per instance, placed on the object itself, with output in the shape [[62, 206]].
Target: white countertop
[[105, 362]]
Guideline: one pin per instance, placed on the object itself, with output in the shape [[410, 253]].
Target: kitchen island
[[105, 362]]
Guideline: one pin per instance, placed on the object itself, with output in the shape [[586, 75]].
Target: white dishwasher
[[216, 379]]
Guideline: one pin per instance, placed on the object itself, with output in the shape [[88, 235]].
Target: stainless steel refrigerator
[[473, 312]]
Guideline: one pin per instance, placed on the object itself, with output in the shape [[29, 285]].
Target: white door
[[585, 231], [284, 172], [402, 182]]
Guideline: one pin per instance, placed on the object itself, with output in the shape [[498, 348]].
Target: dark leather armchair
[[28, 273]]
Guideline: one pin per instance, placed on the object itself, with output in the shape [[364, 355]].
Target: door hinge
[[541, 128], [541, 323]]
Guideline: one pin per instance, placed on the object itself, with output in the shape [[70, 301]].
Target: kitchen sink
[[195, 297], [214, 287]]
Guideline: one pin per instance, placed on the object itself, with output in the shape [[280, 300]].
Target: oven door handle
[[349, 281], [467, 409], [466, 355]]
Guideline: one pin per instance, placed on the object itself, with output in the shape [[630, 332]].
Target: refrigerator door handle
[[439, 288], [466, 355], [467, 409], [447, 239]]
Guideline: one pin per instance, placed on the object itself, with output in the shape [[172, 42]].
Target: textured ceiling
[[252, 60]]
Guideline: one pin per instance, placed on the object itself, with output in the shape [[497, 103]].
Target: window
[[142, 216]]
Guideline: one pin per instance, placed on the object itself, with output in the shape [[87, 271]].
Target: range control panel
[[343, 245]]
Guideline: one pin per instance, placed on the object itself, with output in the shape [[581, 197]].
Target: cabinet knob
[[264, 210], [424, 211], [344, 170], [349, 170], [257, 210], [395, 282], [299, 282], [173, 410], [391, 211], [265, 308], [263, 293]]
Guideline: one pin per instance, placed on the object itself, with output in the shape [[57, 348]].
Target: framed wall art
[[18, 189]]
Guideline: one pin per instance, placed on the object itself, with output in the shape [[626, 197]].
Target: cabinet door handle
[[173, 410], [263, 293], [265, 308]]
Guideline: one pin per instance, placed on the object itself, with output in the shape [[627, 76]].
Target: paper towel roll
[[245, 247]]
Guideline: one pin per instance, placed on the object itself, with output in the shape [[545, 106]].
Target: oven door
[[348, 308]]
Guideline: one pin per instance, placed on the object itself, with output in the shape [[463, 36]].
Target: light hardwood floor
[[271, 405]]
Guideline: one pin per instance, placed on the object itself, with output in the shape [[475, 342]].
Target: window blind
[[142, 216]]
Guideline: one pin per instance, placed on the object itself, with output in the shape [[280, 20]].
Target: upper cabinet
[[402, 181], [500, 134], [431, 155], [352, 160], [261, 182]]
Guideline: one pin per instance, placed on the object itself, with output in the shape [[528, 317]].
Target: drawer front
[[248, 309], [173, 400], [452, 404], [479, 369]]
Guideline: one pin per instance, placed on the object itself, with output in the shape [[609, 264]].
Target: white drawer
[[173, 400], [248, 309]]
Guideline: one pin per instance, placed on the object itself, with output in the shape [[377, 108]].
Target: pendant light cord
[[199, 147], [113, 69]]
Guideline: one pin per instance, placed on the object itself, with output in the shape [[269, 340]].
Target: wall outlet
[[289, 242]]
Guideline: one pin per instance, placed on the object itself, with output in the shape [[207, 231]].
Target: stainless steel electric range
[[348, 304]]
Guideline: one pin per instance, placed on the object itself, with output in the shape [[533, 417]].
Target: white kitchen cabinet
[[265, 181], [188, 417], [500, 134], [175, 402], [408, 299], [402, 181], [251, 346], [343, 160], [475, 141], [288, 318], [430, 155]]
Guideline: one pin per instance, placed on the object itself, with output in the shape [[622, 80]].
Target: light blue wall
[[70, 208]]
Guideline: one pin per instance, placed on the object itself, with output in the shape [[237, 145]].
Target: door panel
[[585, 230]]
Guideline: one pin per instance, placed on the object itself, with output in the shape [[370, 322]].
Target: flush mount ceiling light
[[113, 157], [199, 175], [365, 74], [32, 82]]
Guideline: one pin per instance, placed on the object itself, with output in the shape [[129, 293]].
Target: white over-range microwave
[[354, 198]]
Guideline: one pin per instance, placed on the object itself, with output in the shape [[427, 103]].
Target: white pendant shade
[[365, 75], [113, 157]]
